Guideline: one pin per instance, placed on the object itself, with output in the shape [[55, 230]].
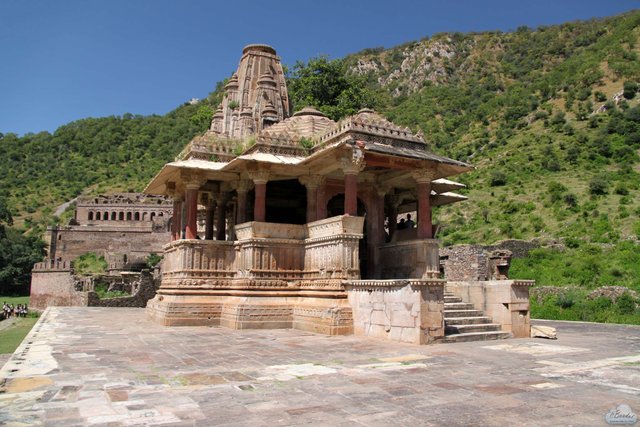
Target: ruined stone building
[[124, 228], [299, 222]]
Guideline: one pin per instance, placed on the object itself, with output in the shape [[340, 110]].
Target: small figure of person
[[409, 223], [401, 225]]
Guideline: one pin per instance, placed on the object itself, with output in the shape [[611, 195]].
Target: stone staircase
[[464, 323]]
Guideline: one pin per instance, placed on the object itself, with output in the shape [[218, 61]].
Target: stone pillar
[[211, 209], [176, 226], [392, 206], [221, 217], [351, 167], [350, 194], [192, 183], [242, 187], [312, 182], [260, 179], [423, 179], [321, 204], [191, 200]]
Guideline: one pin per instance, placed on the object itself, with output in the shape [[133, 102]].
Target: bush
[[629, 89], [626, 304], [89, 263], [153, 259], [498, 178], [598, 186]]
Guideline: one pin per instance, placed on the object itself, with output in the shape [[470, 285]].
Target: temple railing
[[325, 252], [198, 260]]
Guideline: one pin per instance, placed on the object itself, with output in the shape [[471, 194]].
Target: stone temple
[[289, 221]]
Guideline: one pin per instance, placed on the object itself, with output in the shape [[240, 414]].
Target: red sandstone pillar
[[176, 232], [221, 218], [393, 215], [321, 203], [260, 205], [312, 183], [242, 188], [351, 194], [260, 179], [242, 207], [191, 200], [211, 208], [423, 179]]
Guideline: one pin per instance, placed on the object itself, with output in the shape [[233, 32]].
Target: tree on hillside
[[18, 253], [323, 83]]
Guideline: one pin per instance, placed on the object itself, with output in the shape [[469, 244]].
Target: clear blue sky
[[69, 59]]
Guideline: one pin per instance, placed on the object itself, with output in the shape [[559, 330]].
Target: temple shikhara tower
[[289, 220]]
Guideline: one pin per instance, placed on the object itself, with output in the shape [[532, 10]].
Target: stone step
[[461, 313], [457, 306], [452, 299], [473, 327], [454, 321], [476, 336]]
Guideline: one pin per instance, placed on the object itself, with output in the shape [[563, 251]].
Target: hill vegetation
[[549, 116]]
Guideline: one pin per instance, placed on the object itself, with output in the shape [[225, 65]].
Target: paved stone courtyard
[[113, 367]]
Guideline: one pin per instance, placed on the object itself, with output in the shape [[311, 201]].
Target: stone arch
[[128, 216], [144, 216], [98, 216], [90, 216], [120, 216], [136, 216], [113, 216], [153, 215]]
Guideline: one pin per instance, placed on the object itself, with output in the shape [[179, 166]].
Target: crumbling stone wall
[[136, 243], [480, 262], [54, 284], [142, 290]]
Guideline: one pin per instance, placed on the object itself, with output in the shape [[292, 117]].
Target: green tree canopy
[[323, 83]]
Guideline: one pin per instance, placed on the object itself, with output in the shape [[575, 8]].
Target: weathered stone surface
[[540, 331], [84, 366]]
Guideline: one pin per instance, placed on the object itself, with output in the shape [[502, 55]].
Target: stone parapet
[[505, 301], [410, 259], [401, 310]]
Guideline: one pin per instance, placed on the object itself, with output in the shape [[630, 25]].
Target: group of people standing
[[9, 310], [408, 223]]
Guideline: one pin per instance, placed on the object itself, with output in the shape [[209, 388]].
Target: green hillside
[[550, 117]]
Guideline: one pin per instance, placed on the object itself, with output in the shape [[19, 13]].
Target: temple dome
[[306, 123]]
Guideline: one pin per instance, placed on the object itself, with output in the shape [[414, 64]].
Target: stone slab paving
[[113, 367]]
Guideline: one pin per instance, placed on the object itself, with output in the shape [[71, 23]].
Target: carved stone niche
[[499, 263]]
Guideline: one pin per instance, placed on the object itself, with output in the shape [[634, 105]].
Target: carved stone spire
[[255, 95]]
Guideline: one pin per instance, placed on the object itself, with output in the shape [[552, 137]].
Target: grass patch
[[11, 337], [102, 290], [15, 300]]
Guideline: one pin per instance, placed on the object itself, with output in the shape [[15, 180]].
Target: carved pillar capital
[[242, 186], [353, 164], [423, 176], [173, 191], [192, 180], [311, 181], [259, 176]]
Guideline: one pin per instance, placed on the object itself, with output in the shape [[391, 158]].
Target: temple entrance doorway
[[335, 207], [286, 202]]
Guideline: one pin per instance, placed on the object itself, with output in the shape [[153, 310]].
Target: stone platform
[[114, 367]]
